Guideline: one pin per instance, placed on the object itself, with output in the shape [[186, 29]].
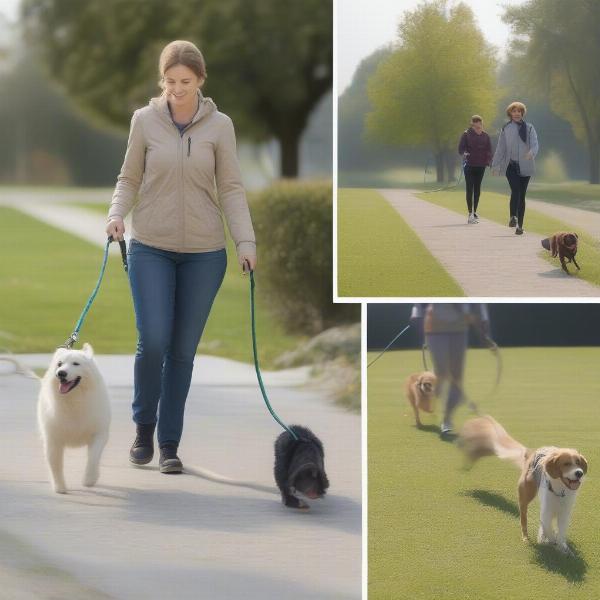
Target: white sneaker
[[471, 219], [445, 428]]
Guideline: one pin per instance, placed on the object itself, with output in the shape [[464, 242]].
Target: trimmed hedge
[[293, 223]]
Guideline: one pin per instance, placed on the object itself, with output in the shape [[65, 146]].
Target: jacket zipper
[[181, 191], [182, 200]]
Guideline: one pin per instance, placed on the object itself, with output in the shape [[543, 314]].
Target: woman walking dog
[[181, 162], [446, 334], [515, 155], [476, 148]]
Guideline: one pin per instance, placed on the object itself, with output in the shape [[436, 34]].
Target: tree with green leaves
[[269, 62], [557, 50], [441, 72]]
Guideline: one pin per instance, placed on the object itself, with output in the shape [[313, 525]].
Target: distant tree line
[[511, 325], [45, 141], [269, 63], [419, 92]]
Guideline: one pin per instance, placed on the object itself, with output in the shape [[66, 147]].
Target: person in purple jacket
[[476, 148]]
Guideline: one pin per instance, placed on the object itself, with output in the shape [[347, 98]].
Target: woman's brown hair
[[181, 52]]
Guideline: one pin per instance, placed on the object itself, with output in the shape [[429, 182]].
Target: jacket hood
[[206, 106]]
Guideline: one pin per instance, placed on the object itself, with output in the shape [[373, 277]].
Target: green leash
[[75, 335], [256, 367]]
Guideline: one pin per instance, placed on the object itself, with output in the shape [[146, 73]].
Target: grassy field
[[372, 248], [494, 206], [438, 531], [576, 194], [46, 277], [403, 177]]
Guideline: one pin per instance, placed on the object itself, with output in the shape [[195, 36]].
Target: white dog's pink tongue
[[65, 386]]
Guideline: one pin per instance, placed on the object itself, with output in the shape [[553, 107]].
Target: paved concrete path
[[57, 209], [142, 534], [487, 259]]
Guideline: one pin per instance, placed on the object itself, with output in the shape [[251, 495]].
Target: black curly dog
[[300, 467]]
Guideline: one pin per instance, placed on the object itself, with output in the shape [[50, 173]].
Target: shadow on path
[[204, 511], [554, 274]]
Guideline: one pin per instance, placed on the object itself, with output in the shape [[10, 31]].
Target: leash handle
[[255, 353], [123, 247]]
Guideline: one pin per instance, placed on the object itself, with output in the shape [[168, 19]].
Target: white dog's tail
[[211, 476], [20, 368], [484, 436]]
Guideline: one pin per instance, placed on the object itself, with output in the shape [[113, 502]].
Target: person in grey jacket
[[515, 156], [445, 328], [179, 176]]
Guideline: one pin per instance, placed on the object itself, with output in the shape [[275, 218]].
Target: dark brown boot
[[142, 451]]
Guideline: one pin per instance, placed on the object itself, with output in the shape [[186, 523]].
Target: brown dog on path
[[563, 245]]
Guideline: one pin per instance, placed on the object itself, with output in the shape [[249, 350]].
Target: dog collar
[[561, 495]]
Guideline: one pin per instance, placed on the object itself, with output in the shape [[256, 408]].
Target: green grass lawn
[[47, 275], [380, 255], [438, 531], [577, 194], [402, 177], [494, 206]]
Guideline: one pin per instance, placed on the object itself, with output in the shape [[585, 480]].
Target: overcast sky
[[9, 8], [362, 26]]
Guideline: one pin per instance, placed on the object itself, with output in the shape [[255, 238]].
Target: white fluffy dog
[[73, 411]]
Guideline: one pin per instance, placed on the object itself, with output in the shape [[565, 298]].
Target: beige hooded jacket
[[183, 182]]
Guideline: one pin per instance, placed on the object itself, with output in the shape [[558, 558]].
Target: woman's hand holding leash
[[248, 264], [116, 229]]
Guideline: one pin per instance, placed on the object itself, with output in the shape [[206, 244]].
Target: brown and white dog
[[563, 245], [555, 473], [420, 393]]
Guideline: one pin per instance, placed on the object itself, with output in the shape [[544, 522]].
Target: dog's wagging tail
[[554, 473]]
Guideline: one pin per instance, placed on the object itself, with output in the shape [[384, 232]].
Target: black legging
[[518, 189], [473, 177]]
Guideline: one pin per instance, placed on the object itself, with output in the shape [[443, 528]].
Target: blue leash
[[255, 352], [385, 349], [75, 335]]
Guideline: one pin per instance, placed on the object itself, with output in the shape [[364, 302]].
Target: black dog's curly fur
[[300, 466]]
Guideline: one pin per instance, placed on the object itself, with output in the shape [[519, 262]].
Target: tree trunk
[[450, 160], [289, 144], [595, 163], [439, 166]]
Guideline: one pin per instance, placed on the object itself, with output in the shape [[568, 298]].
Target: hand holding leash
[[123, 247], [115, 228], [248, 264]]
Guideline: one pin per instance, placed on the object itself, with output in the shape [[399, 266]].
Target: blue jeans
[[172, 294]]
